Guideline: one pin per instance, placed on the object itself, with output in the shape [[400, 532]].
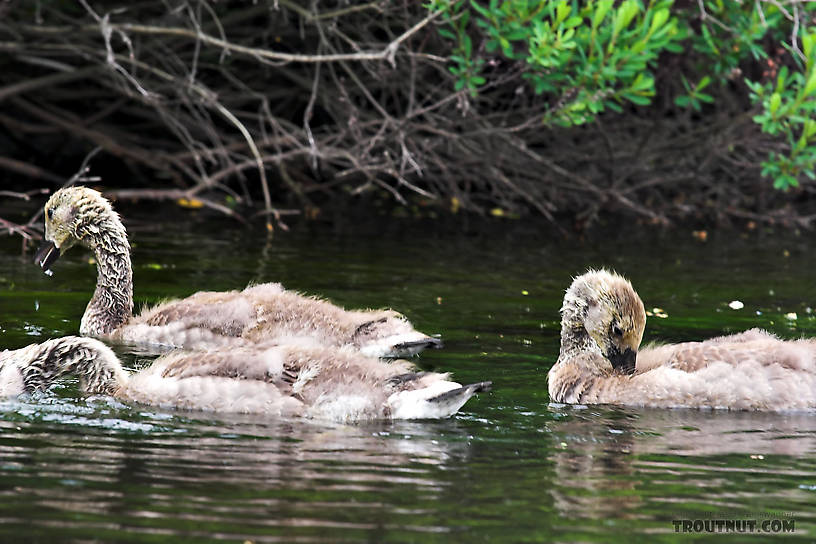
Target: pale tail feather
[[441, 399]]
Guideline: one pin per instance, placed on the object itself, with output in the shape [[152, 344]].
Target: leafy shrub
[[589, 57]]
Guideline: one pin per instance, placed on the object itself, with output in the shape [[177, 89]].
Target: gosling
[[602, 323], [259, 313], [280, 381]]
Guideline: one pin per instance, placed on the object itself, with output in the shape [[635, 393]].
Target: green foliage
[[786, 101], [592, 56], [694, 94], [732, 32], [788, 108]]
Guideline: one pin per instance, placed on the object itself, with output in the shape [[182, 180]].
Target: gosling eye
[[50, 213], [617, 331]]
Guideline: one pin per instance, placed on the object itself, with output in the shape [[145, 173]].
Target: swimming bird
[[320, 382], [79, 215], [37, 366], [602, 324]]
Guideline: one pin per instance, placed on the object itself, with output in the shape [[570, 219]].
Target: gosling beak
[[623, 362], [46, 255], [419, 345]]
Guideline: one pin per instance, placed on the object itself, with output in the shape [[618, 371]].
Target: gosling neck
[[574, 338], [112, 302], [97, 367]]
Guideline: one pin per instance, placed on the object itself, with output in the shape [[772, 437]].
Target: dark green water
[[508, 468]]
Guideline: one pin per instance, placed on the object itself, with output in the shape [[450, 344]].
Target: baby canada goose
[[602, 322], [321, 382], [207, 319], [35, 367]]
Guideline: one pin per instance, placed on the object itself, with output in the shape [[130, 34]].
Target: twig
[[46, 81], [14, 228], [386, 53], [28, 170]]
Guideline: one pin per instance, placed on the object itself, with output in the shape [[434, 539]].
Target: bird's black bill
[[46, 255], [429, 342], [623, 362]]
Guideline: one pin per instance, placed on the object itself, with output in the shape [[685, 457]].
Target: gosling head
[[74, 215], [604, 307], [391, 336]]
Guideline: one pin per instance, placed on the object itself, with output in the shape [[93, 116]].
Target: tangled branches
[[284, 106]]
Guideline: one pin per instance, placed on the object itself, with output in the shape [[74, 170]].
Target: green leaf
[[810, 128], [572, 22], [658, 19], [626, 12], [601, 10], [755, 86], [483, 11], [807, 44], [782, 79], [562, 11], [811, 85], [774, 102], [445, 33], [709, 41], [518, 34], [642, 82], [637, 99], [674, 47], [614, 106]]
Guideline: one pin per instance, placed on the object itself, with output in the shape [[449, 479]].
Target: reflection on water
[[687, 432], [102, 466], [683, 464], [509, 468]]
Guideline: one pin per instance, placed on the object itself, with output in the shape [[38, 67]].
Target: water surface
[[510, 467]]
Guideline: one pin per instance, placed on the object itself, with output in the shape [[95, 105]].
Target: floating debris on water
[[657, 312], [33, 330], [736, 305], [792, 316]]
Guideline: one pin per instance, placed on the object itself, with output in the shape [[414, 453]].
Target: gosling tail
[[425, 404]]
